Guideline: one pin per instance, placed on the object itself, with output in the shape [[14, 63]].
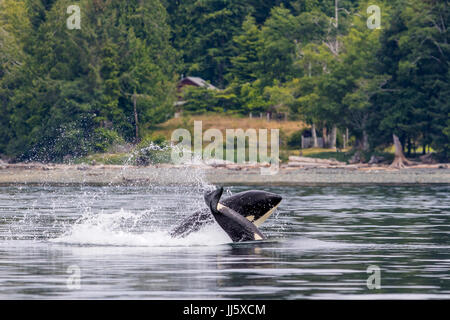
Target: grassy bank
[[223, 122], [289, 130]]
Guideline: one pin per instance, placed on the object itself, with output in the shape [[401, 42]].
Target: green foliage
[[202, 100], [104, 138], [295, 140], [415, 54], [199, 100], [245, 64], [61, 87], [204, 32], [277, 53], [71, 92], [252, 98]]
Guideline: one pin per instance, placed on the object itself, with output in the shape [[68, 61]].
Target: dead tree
[[325, 136], [400, 160], [134, 96]]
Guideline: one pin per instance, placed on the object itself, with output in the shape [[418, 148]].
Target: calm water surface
[[321, 242]]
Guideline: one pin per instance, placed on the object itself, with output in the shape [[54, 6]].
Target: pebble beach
[[52, 174]]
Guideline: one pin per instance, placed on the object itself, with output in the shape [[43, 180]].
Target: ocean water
[[324, 242]]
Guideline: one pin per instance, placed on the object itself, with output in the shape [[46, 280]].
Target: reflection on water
[[321, 242]]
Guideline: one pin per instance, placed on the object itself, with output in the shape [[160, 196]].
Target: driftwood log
[[297, 162]]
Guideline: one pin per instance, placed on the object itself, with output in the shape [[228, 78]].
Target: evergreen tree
[[245, 64], [415, 54], [204, 35], [77, 84]]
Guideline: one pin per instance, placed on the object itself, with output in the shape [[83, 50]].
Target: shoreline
[[166, 175]]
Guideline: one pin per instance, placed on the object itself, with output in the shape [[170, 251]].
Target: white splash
[[117, 229]]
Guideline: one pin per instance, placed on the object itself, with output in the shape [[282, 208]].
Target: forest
[[377, 69]]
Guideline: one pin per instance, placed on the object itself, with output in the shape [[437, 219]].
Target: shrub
[[295, 140], [103, 139]]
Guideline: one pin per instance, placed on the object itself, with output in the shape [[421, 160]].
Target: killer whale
[[255, 205], [235, 225]]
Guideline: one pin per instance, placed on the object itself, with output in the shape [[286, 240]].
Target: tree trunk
[[333, 137], [325, 137], [136, 122], [336, 12], [346, 136], [409, 147], [314, 136], [365, 142], [400, 160]]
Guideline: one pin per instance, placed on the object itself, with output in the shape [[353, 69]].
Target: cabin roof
[[197, 81]]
